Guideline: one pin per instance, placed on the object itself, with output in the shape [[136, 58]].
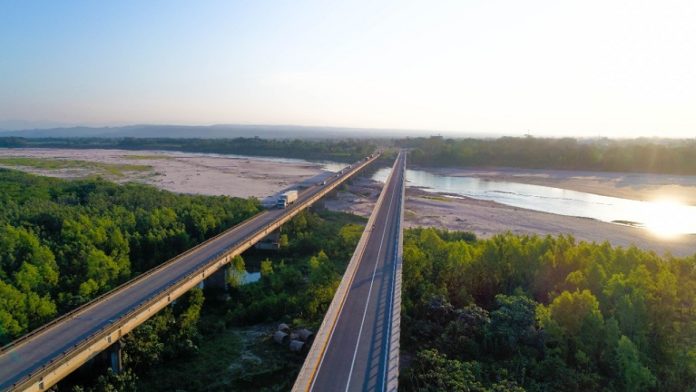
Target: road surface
[[356, 356]]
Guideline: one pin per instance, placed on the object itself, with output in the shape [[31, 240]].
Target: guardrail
[[393, 345], [37, 380], [307, 374]]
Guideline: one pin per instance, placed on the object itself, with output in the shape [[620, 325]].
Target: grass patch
[[113, 169], [150, 157], [438, 198]]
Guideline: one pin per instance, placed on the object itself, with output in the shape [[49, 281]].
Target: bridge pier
[[113, 356], [271, 242], [218, 280], [215, 285]]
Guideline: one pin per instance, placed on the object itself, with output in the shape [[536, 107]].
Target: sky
[[548, 68]]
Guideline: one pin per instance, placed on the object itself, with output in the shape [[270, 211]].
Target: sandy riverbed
[[486, 218], [184, 172], [242, 177]]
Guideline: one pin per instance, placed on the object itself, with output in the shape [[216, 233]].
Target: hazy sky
[[616, 68]]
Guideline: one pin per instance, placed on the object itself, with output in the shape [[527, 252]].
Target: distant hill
[[207, 132], [7, 125]]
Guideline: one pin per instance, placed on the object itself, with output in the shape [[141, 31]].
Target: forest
[[635, 155], [193, 344], [516, 313], [509, 313], [63, 243], [345, 150]]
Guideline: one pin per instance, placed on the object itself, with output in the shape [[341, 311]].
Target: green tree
[[283, 241], [20, 311], [237, 271], [32, 265], [266, 268], [513, 323], [634, 376], [432, 371]]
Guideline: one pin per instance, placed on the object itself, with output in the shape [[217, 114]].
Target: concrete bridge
[[357, 345], [43, 357]]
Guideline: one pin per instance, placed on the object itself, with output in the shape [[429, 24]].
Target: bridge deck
[[360, 346], [25, 362]]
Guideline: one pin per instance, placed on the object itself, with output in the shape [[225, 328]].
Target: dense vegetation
[[334, 150], [510, 313], [195, 345], [639, 155], [299, 284], [515, 313], [63, 243]]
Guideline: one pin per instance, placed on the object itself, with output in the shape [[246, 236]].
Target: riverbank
[[191, 173], [635, 186], [211, 174], [487, 218]]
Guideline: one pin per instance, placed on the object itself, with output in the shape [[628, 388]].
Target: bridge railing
[[312, 361], [393, 346]]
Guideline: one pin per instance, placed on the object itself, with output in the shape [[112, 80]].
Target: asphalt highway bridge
[[357, 345], [43, 357]]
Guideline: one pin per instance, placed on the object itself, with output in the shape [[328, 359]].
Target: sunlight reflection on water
[[665, 218]]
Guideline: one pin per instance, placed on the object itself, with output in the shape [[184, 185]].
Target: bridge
[[357, 345], [40, 359]]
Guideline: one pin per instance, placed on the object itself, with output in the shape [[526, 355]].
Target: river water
[[662, 217]]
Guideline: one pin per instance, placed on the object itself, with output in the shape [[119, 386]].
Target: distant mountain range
[[211, 132]]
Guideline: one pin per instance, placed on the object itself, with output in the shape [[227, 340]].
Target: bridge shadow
[[375, 363]]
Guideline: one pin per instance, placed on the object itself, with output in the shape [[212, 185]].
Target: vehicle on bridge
[[286, 198]]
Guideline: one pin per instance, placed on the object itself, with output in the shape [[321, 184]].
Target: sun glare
[[665, 218]]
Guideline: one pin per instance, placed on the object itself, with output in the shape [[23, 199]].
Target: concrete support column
[[218, 280], [114, 357], [271, 242]]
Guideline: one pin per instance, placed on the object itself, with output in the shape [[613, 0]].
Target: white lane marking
[[333, 329], [367, 302]]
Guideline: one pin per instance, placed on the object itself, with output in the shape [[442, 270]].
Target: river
[[664, 218]]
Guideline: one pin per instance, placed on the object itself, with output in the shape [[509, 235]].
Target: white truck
[[286, 198]]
